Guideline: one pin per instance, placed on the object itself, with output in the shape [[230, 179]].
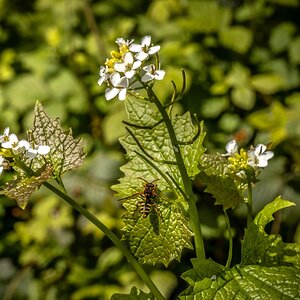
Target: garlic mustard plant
[[165, 157]]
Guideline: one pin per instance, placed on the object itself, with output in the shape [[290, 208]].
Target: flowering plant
[[165, 154]]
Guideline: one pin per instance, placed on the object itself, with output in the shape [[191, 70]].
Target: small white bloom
[[128, 66], [22, 146], [119, 87], [152, 73], [144, 49], [5, 135], [103, 75], [231, 148], [10, 141], [259, 156], [121, 42], [42, 150]]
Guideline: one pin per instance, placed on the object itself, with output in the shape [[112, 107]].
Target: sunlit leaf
[[21, 188], [268, 83], [269, 267], [237, 38], [66, 152], [294, 51], [210, 281], [162, 234], [281, 36], [269, 250], [243, 97], [227, 190]]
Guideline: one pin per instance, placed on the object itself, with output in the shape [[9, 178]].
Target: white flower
[[103, 75], [121, 42], [12, 142], [42, 150], [259, 156], [231, 148], [152, 73], [5, 135], [119, 86], [128, 66], [144, 49]]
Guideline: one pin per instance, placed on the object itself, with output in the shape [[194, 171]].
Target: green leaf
[[268, 83], [160, 236], [205, 16], [294, 51], [66, 152], [227, 191], [268, 250], [208, 280], [135, 294], [281, 36], [237, 38], [243, 97], [21, 188]]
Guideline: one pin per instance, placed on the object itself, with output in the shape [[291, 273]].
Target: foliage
[[167, 224], [269, 268], [241, 60]]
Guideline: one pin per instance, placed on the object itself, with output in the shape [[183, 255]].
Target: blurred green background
[[242, 60]]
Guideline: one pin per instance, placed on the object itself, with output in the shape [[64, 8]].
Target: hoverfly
[[148, 197]]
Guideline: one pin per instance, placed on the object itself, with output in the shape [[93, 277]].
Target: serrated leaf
[[161, 236], [268, 250], [66, 153], [211, 281], [227, 191], [21, 188], [135, 294]]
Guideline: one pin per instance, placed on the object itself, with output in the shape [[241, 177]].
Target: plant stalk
[[249, 205], [229, 258], [199, 244], [131, 259]]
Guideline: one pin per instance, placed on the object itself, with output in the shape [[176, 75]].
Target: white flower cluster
[[10, 141], [257, 157], [125, 69]]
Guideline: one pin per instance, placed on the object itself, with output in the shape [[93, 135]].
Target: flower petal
[[141, 55], [120, 67], [43, 149], [259, 149], [160, 74], [128, 58], [111, 93], [154, 49], [115, 78], [146, 40], [122, 94], [147, 77], [135, 48]]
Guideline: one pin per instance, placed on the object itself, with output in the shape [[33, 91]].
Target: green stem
[[228, 263], [249, 205], [138, 268], [199, 244], [135, 264]]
